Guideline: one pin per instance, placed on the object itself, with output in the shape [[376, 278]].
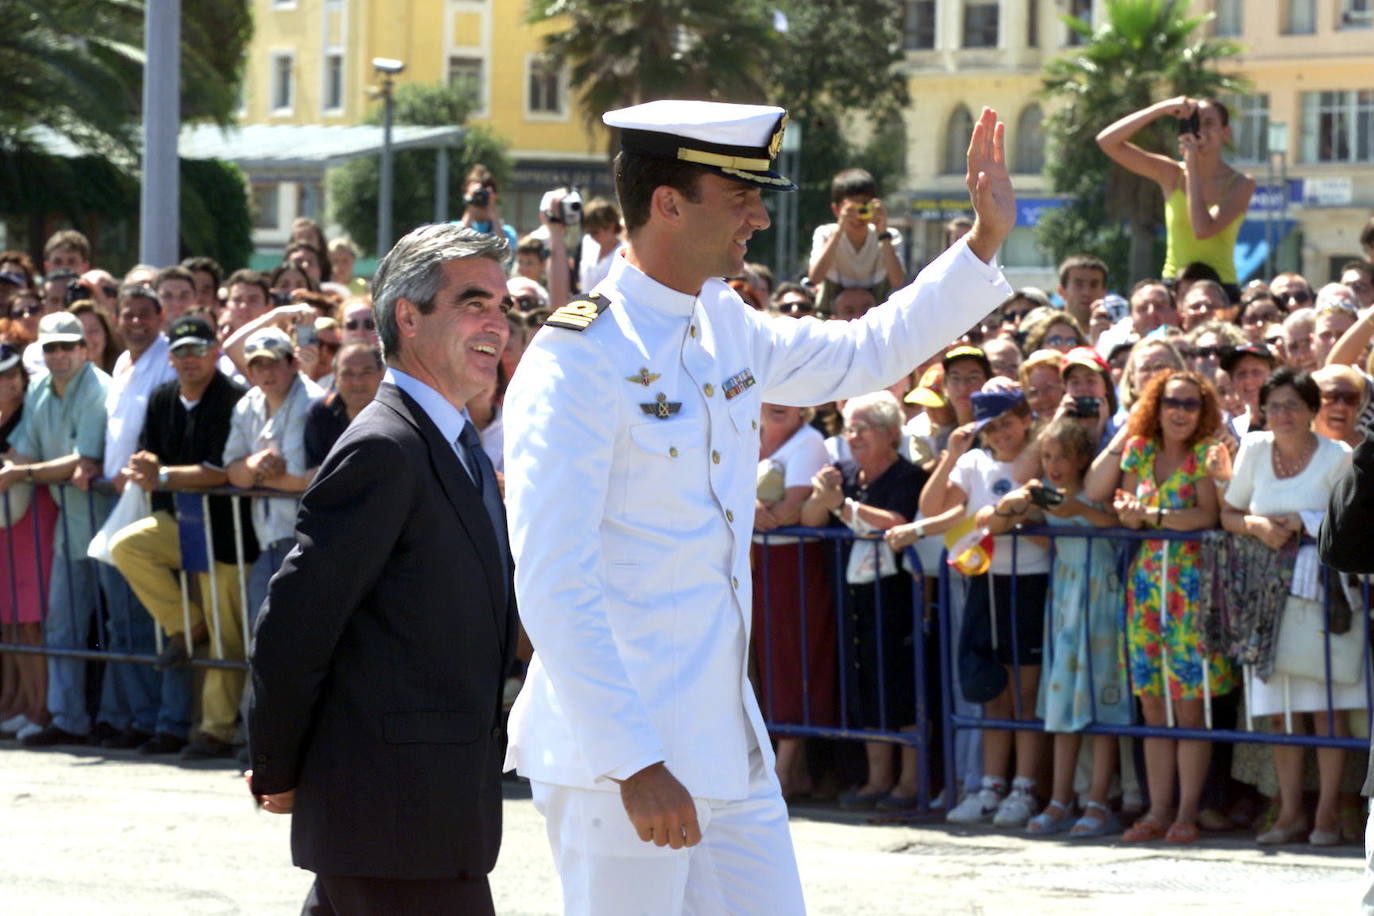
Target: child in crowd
[[858, 249], [1085, 683], [979, 482]]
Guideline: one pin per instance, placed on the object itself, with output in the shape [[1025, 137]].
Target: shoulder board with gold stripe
[[577, 314]]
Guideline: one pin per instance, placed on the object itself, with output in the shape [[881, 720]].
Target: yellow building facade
[[310, 63], [1310, 63]]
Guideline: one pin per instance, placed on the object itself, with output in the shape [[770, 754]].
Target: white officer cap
[[738, 142]]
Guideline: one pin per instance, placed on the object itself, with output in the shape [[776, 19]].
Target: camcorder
[[479, 198], [567, 211]]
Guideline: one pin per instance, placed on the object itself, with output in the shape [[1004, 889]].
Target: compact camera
[[1190, 125]]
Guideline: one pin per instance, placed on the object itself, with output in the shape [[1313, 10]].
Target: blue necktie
[[483, 477]]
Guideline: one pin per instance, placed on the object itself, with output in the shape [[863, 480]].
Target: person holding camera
[[1204, 198], [858, 249], [482, 205]]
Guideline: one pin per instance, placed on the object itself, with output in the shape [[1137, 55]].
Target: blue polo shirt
[[55, 426]]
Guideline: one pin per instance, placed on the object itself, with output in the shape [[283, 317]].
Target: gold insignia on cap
[[775, 146], [645, 378]]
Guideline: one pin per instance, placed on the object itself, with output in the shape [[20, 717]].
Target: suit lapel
[[462, 495]]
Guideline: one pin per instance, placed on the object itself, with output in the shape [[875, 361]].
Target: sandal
[[1143, 831], [1046, 823], [1097, 820], [1181, 833]]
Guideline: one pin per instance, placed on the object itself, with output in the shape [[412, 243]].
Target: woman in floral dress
[[1165, 485]]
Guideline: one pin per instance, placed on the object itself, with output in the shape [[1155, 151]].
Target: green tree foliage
[[76, 66], [623, 52], [353, 187], [1144, 51], [216, 219], [831, 67]]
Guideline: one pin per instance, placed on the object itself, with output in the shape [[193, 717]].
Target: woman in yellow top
[[1204, 198]]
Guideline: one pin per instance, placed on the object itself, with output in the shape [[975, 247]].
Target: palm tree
[[76, 66], [622, 52], [1143, 51]]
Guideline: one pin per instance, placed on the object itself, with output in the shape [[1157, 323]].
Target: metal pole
[[441, 184], [384, 195], [1269, 240], [158, 199]]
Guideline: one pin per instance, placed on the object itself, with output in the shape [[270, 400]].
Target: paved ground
[[87, 833]]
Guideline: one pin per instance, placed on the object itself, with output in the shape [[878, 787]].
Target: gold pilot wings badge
[[577, 314]]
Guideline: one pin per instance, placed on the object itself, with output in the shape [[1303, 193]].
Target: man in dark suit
[[379, 655]]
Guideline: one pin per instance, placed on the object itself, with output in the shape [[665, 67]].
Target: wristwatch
[[887, 235], [162, 476]]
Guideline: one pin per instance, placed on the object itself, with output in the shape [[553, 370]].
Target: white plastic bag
[[134, 505]]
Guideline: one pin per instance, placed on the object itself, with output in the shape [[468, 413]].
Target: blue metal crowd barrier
[[954, 722], [195, 535], [921, 736]]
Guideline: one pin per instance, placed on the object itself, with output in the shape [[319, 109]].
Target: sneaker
[[1017, 808], [32, 728], [12, 725], [977, 807]]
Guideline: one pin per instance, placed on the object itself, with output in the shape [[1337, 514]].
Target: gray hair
[[881, 408], [412, 270]]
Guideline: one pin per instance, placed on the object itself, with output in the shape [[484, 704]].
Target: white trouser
[[1367, 902], [743, 864]]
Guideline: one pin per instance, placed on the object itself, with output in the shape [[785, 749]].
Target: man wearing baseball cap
[[61, 439], [266, 448], [631, 455], [179, 448]]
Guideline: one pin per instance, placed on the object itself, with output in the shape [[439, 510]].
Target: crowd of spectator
[[1190, 404], [132, 409]]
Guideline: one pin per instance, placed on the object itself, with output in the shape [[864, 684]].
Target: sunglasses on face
[[1348, 398], [354, 324], [27, 311], [111, 292], [1273, 341], [1301, 297], [1207, 352], [194, 351], [524, 303], [1060, 340], [66, 346], [1188, 405]]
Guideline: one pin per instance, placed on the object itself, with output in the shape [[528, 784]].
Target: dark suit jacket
[[1349, 520], [379, 656]]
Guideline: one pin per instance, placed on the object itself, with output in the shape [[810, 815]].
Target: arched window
[[957, 137], [1030, 142]]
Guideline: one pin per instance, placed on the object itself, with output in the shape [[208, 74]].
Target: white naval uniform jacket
[[631, 531]]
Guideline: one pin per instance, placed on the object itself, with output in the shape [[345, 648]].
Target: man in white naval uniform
[[631, 451]]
